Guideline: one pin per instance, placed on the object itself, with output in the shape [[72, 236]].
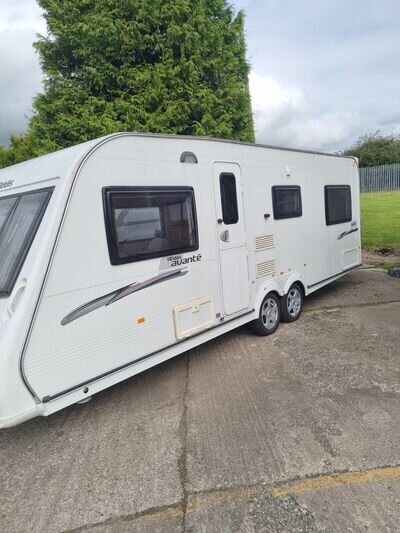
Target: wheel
[[292, 303], [270, 316]]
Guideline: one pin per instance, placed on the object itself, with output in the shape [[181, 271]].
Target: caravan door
[[231, 235]]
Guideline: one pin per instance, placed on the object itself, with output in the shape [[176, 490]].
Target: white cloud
[[22, 15], [284, 116], [21, 77], [343, 59]]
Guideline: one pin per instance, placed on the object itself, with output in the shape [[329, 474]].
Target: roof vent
[[189, 157]]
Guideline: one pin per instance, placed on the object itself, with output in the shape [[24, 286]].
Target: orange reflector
[[141, 320]]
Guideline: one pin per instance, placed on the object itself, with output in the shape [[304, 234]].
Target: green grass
[[380, 219]]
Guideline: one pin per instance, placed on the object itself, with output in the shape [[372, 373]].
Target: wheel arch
[[294, 278], [266, 288]]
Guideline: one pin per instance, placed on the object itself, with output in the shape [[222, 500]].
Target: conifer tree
[[166, 66]]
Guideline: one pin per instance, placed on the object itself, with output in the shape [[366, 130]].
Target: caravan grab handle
[[15, 298]]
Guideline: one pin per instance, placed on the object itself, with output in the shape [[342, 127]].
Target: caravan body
[[120, 253]]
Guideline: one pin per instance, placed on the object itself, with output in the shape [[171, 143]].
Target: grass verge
[[380, 219]]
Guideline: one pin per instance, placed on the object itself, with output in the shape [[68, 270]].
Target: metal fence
[[382, 178]]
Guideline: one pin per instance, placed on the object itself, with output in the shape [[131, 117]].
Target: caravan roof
[[61, 163]]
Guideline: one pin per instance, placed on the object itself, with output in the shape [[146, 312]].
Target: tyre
[[270, 315], [292, 303]]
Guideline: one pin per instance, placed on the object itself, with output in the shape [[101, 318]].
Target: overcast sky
[[323, 73]]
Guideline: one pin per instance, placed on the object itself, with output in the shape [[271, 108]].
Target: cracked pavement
[[299, 431]]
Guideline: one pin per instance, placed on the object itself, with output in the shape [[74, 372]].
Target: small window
[[286, 201], [20, 217], [148, 222], [337, 204], [230, 213]]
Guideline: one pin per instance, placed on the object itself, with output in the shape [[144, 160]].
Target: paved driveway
[[296, 432]]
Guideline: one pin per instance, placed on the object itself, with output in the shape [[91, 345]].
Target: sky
[[322, 73]]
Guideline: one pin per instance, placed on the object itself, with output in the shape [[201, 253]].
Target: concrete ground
[[299, 431]]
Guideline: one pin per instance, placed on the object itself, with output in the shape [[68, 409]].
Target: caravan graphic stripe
[[115, 296]]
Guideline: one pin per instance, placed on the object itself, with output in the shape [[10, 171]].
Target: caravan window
[[148, 222], [286, 201], [337, 204], [230, 213], [20, 216]]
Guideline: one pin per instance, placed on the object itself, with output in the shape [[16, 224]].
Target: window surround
[[279, 188], [111, 235], [231, 218], [327, 215], [29, 238]]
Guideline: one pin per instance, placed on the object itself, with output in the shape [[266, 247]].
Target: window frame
[[221, 176], [111, 234], [30, 237], [277, 188], [327, 188]]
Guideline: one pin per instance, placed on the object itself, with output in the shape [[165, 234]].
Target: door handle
[[225, 236], [14, 300]]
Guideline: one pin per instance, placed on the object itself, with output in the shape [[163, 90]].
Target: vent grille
[[264, 242], [265, 268]]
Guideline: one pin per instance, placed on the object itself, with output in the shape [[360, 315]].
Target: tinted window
[[6, 206], [337, 204], [144, 223], [137, 224], [17, 233], [229, 202], [286, 201]]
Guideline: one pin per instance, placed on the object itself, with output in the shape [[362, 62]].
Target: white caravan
[[120, 253]]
